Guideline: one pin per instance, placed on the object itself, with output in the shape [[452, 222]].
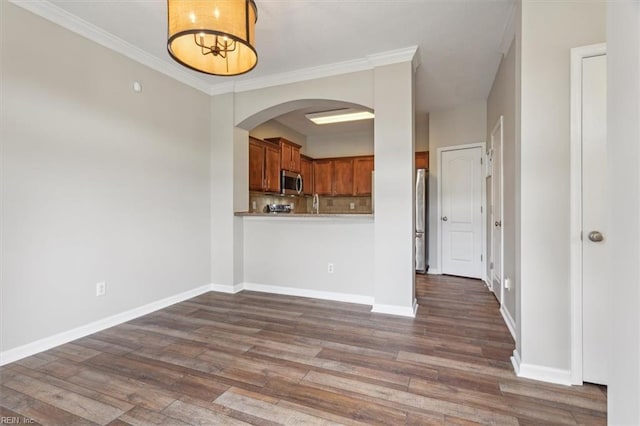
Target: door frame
[[575, 226], [499, 125], [483, 201]]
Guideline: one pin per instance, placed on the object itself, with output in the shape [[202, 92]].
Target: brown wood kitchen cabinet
[[362, 168], [323, 177], [343, 176], [272, 169], [336, 176], [306, 171], [256, 164], [289, 154], [264, 166], [422, 160]]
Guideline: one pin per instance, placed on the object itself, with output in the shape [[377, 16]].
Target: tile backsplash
[[304, 204]]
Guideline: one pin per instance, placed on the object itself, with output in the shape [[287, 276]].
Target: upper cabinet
[[289, 154], [346, 176], [362, 168], [272, 168], [343, 176], [306, 171], [422, 160], [256, 165], [264, 166], [323, 177]]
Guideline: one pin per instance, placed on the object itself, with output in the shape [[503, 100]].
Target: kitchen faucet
[[316, 203]]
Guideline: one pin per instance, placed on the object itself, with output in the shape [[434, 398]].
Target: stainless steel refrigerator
[[422, 241]]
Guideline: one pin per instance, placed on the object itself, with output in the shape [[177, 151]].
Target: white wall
[[502, 102], [221, 195], [422, 132], [394, 188], [548, 31], [229, 160], [623, 155], [293, 254], [340, 144], [391, 88], [98, 182], [254, 107], [345, 144], [457, 126], [275, 129]]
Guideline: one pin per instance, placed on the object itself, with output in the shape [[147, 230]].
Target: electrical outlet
[[330, 268], [352, 206], [254, 205], [508, 284], [101, 288]]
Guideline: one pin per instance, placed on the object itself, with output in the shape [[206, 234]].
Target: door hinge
[[481, 160], [481, 211], [491, 265], [481, 258]]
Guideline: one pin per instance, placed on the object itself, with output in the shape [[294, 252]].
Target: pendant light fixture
[[213, 36]]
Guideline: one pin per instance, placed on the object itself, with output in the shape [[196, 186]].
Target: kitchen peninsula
[[325, 253]]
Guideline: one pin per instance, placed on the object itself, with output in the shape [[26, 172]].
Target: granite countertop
[[305, 215]]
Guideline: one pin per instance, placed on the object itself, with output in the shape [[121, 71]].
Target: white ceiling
[[460, 41], [297, 120]]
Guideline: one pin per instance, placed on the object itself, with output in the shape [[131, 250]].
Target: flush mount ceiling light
[[213, 36], [339, 116]]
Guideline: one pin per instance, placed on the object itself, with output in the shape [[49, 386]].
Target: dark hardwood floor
[[266, 359]]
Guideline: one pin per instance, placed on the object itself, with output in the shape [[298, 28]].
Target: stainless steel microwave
[[290, 183]]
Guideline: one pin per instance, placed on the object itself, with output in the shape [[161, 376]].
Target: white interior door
[[461, 214], [496, 210], [595, 292]]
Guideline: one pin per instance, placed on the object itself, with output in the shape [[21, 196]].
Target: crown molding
[[55, 14], [59, 16], [338, 68], [407, 54], [222, 88], [303, 74], [509, 31]]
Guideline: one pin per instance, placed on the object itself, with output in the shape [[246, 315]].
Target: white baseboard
[[543, 374], [515, 361], [47, 343], [316, 294], [404, 311], [508, 320], [433, 271], [230, 289]]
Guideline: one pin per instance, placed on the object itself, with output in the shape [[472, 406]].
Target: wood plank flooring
[[261, 359]]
